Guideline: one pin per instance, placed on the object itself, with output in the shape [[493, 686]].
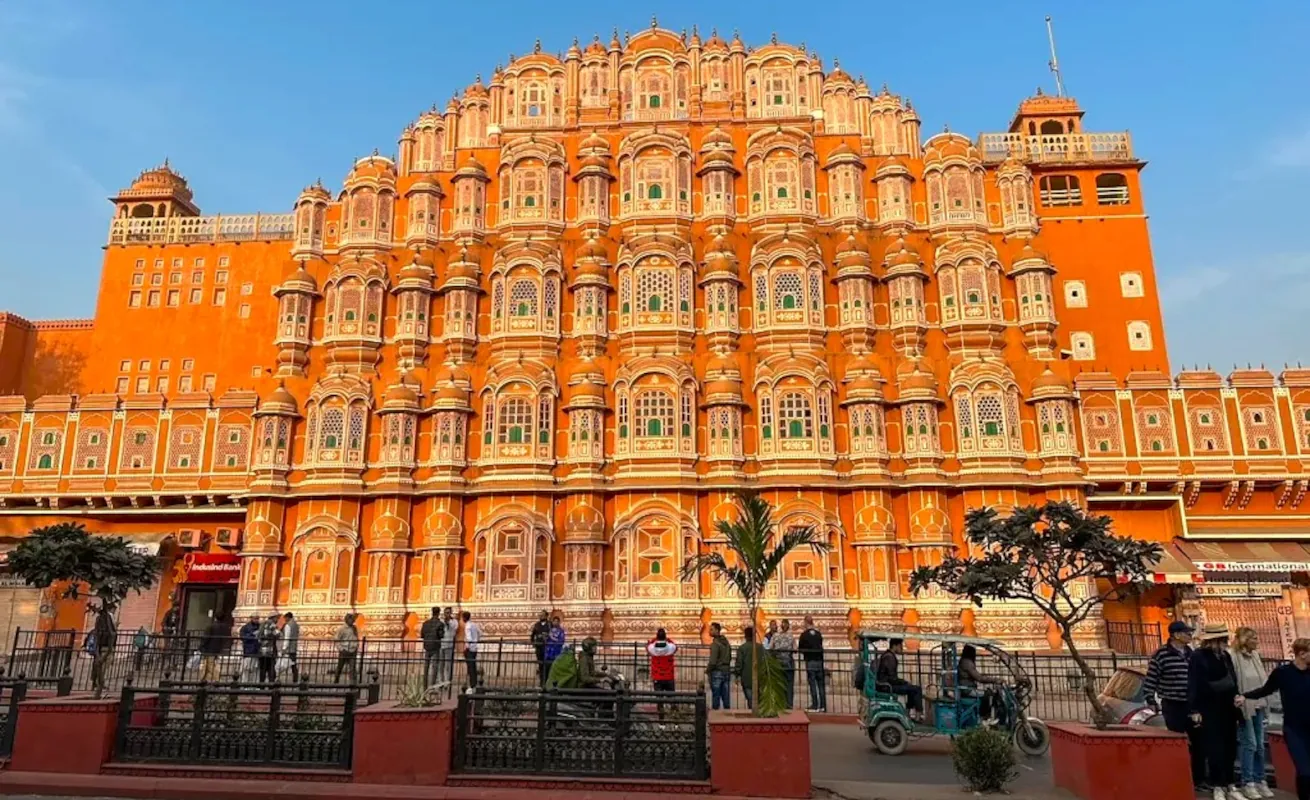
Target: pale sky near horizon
[[252, 101]]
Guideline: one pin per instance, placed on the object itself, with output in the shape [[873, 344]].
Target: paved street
[[846, 764]]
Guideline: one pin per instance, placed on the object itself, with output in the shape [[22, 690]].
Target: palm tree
[[757, 552]]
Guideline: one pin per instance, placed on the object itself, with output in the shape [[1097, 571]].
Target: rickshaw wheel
[[1032, 737], [890, 737]]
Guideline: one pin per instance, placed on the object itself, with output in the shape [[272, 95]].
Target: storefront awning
[[1174, 566], [1217, 558]]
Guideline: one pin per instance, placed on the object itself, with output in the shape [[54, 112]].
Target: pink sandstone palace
[[523, 364]]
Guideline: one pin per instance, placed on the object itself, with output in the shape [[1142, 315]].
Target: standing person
[[249, 634], [745, 656], [1165, 688], [215, 641], [447, 664], [290, 644], [432, 632], [347, 640], [811, 647], [663, 672], [1212, 692], [1292, 682], [540, 633], [140, 640], [554, 642], [101, 647], [268, 633], [770, 632], [719, 669], [472, 635], [1251, 675], [783, 645]]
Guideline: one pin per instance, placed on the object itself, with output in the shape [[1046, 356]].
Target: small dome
[[472, 168], [376, 166], [424, 186], [315, 192], [451, 392], [717, 137], [416, 270], [723, 386], [400, 396], [279, 402], [891, 166], [862, 363], [442, 526], [1030, 253], [161, 179], [717, 158], [949, 145], [584, 520], [595, 141], [721, 362], [451, 373], [1049, 381], [843, 154], [592, 249]]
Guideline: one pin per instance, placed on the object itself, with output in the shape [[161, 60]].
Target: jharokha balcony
[[179, 229], [1056, 148]]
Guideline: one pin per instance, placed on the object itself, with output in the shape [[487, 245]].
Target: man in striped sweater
[[1165, 689]]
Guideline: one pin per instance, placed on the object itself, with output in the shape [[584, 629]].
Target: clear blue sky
[[254, 100]]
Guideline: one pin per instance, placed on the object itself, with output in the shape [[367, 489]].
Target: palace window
[[1130, 284], [1061, 190], [1084, 348], [795, 417], [514, 425], [1139, 336], [1111, 189], [654, 413], [1075, 294]]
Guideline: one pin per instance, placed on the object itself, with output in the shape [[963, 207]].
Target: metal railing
[[12, 692], [1056, 147], [231, 228], [304, 726], [1134, 638], [643, 735], [390, 665]]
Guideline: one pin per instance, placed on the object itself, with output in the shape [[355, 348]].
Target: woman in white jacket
[[1251, 675]]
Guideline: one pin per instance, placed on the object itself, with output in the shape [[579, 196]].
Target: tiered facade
[[523, 364]]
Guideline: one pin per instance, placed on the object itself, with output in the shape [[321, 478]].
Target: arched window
[[514, 423], [523, 299], [795, 416], [787, 292], [654, 414], [654, 288], [1111, 189], [1060, 190]]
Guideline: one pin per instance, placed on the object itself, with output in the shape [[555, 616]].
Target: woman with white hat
[[1212, 690]]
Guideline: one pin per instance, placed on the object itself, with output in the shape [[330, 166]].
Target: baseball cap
[[1179, 627]]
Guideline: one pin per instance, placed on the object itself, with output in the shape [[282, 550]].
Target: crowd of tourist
[[1216, 693]]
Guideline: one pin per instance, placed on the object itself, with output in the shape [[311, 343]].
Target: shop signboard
[[221, 568]]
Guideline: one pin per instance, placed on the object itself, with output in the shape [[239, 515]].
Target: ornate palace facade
[[524, 363]]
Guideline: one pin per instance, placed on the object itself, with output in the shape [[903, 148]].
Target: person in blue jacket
[[554, 642]]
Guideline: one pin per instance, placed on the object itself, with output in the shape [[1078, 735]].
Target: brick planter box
[[752, 757], [65, 734], [403, 745], [1123, 762]]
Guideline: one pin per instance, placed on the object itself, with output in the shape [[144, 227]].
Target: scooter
[[583, 706]]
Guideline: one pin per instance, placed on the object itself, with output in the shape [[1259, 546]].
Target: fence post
[[64, 686], [622, 705], [539, 749], [702, 725], [374, 692], [124, 718], [274, 709], [198, 720], [461, 731], [348, 731]]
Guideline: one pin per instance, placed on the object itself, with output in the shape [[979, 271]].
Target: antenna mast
[[1054, 63]]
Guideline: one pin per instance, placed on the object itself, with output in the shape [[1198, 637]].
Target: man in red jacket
[[663, 676]]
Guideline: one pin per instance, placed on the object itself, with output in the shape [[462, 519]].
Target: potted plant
[[1069, 563], [766, 754]]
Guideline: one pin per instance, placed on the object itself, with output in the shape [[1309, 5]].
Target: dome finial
[[654, 23], [773, 38], [836, 63], [536, 46]]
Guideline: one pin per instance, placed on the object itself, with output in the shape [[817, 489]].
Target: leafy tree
[[102, 568], [1047, 556], [755, 550]]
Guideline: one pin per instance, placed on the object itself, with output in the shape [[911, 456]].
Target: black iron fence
[[643, 735], [304, 726], [12, 692], [63, 658], [1134, 638], [391, 665]]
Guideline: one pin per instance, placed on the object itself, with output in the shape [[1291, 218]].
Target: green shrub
[[984, 760]]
